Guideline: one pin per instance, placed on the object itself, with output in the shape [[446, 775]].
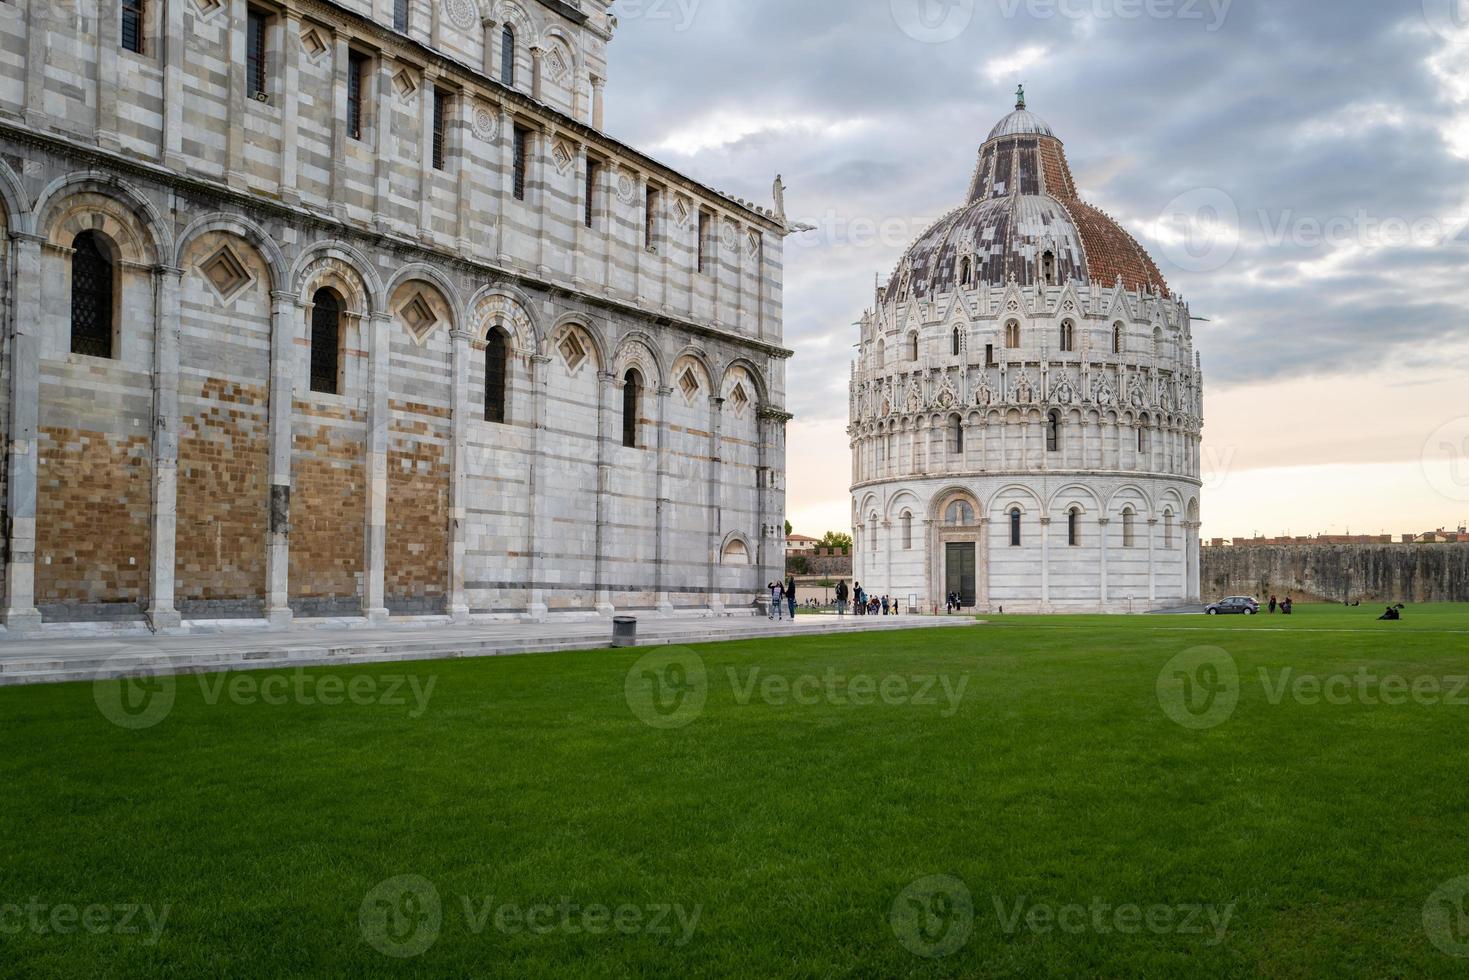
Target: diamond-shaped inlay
[[689, 383], [562, 157], [404, 85], [208, 7], [312, 43], [572, 352], [739, 400], [419, 316], [556, 63], [681, 212], [225, 272]]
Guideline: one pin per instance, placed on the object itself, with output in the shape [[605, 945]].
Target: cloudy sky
[[1300, 170]]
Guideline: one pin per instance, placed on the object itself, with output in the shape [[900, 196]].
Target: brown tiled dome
[[1023, 219]]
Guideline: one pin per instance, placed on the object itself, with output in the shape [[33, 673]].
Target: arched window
[[882, 353], [955, 342], [326, 342], [497, 361], [1068, 337], [959, 514], [907, 521], [913, 347], [1048, 268], [93, 295], [507, 55], [1073, 527], [735, 553], [1142, 434], [872, 532], [1053, 432], [1015, 527], [1012, 335], [956, 425], [1129, 527], [632, 398], [1119, 339], [1158, 341], [1168, 528], [965, 271]]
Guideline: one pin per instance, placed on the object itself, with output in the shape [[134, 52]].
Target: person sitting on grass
[[1394, 614]]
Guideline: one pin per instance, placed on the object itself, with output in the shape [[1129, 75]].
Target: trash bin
[[624, 631]]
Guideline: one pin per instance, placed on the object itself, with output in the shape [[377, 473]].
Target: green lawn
[[1041, 774]]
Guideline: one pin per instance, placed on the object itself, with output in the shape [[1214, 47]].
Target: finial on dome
[[1020, 96]]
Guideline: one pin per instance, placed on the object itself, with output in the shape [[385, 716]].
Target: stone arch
[[128, 205], [693, 362], [1073, 493], [270, 252], [498, 307], [572, 325], [340, 266], [433, 277], [637, 350], [757, 378], [940, 503], [18, 217], [1014, 495], [900, 501], [736, 544], [1133, 493], [512, 13]]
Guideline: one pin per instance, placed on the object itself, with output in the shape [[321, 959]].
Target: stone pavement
[[74, 656]]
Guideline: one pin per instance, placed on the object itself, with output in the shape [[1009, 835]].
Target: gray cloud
[[1305, 111]]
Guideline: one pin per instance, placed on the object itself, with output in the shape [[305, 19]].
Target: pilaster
[[161, 612], [458, 514], [21, 615], [375, 538], [285, 322]]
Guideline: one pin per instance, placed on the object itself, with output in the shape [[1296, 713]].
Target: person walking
[[777, 596], [859, 606], [791, 596], [842, 598], [884, 605], [1274, 603]]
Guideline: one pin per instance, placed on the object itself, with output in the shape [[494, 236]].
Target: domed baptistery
[[1027, 405]]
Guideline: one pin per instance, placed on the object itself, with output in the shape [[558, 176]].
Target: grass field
[[1080, 796]]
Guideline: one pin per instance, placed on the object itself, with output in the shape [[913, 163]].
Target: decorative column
[[715, 497], [1045, 564], [382, 116], [488, 30], [606, 419], [542, 142], [375, 561], [161, 612], [1102, 550], [507, 183], [426, 90], [464, 214], [285, 319], [38, 29], [597, 102], [459, 434], [537, 610], [170, 150], [24, 289], [109, 46], [579, 237], [1152, 560], [537, 54], [340, 64], [290, 105], [665, 506], [236, 112]]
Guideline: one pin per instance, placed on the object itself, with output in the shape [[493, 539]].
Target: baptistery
[[1026, 406]]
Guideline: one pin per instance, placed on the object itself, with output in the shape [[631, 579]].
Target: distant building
[[799, 544]]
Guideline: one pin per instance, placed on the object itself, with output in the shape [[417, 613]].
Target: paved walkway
[[62, 657]]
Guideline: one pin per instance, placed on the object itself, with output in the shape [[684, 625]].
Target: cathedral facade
[[1026, 407], [352, 309]]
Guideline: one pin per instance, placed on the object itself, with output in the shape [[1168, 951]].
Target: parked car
[[1235, 605]]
